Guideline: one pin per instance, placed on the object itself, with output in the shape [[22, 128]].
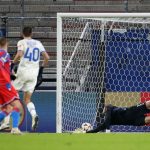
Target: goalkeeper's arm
[[101, 127], [107, 122]]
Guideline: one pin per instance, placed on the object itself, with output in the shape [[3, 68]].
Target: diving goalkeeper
[[134, 115]]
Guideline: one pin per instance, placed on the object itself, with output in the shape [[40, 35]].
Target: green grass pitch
[[112, 141]]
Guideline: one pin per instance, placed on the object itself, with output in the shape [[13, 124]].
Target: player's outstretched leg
[[32, 110]]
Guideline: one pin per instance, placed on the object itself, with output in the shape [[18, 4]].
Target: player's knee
[[16, 104], [148, 104], [7, 108]]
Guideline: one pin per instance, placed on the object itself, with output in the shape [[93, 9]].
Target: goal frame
[[60, 16]]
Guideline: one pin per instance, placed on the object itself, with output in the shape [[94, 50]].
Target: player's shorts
[[25, 81], [7, 95]]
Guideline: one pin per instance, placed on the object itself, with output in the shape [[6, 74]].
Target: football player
[[29, 52], [137, 115], [9, 99]]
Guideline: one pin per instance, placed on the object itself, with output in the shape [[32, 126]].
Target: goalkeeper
[[134, 115]]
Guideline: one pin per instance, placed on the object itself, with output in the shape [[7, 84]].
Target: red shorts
[[7, 95]]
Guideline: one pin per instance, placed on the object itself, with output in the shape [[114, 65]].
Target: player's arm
[[45, 62], [46, 58], [20, 49], [99, 128], [16, 59], [107, 122], [18, 56]]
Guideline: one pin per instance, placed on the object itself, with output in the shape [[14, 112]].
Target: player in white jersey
[[28, 68], [28, 53]]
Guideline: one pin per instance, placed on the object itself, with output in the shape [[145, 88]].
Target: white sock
[[7, 119], [31, 109]]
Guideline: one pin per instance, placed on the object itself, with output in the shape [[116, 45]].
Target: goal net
[[101, 59]]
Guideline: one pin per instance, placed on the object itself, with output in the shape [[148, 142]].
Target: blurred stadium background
[[41, 15]]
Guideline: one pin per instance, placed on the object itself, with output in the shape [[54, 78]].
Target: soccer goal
[[102, 58]]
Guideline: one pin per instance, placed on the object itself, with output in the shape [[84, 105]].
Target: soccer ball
[[86, 126]]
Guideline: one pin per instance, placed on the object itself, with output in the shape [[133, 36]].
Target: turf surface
[[112, 141]]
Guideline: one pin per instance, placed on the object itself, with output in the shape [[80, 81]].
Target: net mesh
[[104, 61]]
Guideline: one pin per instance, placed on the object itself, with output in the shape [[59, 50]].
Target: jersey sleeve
[[4, 57], [4, 73], [20, 46]]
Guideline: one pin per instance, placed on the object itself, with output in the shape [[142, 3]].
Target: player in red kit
[[9, 99]]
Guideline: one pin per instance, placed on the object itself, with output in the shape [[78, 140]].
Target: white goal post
[[101, 58]]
